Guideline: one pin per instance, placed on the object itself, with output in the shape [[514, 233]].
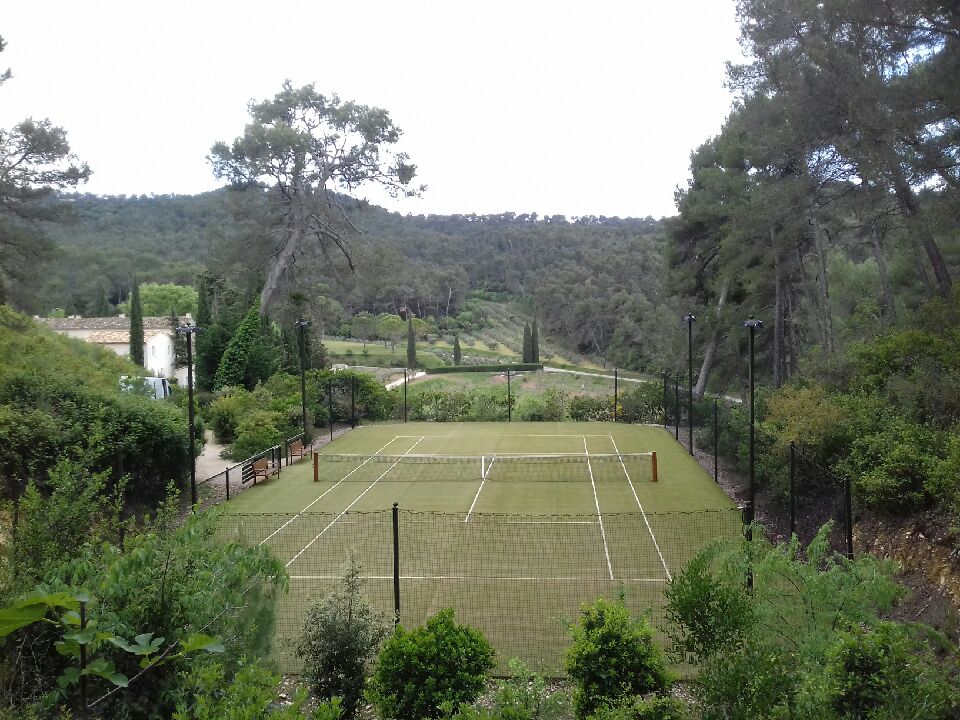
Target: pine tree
[[457, 352], [136, 324], [527, 344], [411, 344], [252, 354], [535, 342]]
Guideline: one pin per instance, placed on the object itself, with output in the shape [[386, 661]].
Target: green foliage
[[159, 299], [548, 406], [766, 653], [517, 367], [256, 432], [651, 707], [523, 696], [420, 670], [535, 341], [585, 408], [136, 324], [613, 656], [457, 352], [211, 693], [527, 346], [252, 354], [228, 409], [341, 636]]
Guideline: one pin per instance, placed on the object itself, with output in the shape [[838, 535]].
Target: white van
[[155, 387]]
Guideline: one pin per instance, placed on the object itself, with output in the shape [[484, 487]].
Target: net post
[[396, 565], [227, 472], [316, 467], [653, 466]]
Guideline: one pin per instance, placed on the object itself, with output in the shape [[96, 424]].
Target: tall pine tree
[[411, 344], [136, 323], [527, 344], [535, 342]]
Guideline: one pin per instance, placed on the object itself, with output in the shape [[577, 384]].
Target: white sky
[[579, 108]]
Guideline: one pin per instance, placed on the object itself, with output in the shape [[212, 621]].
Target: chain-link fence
[[517, 578]]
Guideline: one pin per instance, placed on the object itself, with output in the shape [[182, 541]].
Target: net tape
[[545, 459]]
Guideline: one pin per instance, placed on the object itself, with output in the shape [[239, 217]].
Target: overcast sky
[[580, 108]]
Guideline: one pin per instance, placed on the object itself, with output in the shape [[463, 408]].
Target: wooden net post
[[316, 467], [653, 466]]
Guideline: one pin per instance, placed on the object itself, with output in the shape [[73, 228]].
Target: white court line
[[482, 481], [475, 577], [448, 437], [647, 522], [552, 522], [344, 512], [596, 502], [325, 492]]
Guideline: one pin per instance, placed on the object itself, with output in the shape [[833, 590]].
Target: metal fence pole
[[404, 394], [676, 407], [509, 400], [848, 508], [330, 407], [396, 564], [666, 422], [793, 489], [228, 482], [615, 393], [716, 441], [353, 401]]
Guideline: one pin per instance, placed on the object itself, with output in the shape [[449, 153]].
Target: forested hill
[[595, 280]]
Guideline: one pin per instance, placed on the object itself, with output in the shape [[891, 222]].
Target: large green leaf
[[106, 670], [14, 618], [199, 641]]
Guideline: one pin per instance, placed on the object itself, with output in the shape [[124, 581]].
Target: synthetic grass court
[[512, 543]]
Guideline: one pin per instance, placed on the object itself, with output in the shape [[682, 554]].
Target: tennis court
[[513, 525]]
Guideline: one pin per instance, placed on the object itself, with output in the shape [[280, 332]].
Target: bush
[[341, 635], [420, 670], [642, 404], [654, 707], [612, 657], [257, 432], [524, 696], [226, 412], [585, 408]]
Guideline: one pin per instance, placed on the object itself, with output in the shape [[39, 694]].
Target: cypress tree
[[411, 344], [535, 341], [136, 324], [457, 352], [233, 365], [527, 345]]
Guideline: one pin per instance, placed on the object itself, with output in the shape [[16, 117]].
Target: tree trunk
[[911, 208], [888, 303], [277, 275], [823, 289], [708, 357]]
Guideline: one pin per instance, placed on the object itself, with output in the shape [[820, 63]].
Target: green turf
[[512, 552]]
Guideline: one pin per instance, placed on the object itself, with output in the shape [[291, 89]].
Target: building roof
[[105, 337], [118, 322]]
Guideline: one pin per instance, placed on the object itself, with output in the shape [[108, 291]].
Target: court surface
[[513, 525]]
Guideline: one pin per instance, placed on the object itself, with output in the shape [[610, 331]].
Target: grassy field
[[513, 546]]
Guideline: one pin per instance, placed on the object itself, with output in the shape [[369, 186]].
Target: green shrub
[[585, 408], [257, 432], [642, 404], [612, 657], [251, 694], [653, 707], [420, 670], [341, 635], [225, 413]]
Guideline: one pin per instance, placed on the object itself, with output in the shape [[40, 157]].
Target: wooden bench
[[257, 470], [297, 450]]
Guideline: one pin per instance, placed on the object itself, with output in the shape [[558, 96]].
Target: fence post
[[316, 467], [330, 406], [793, 489], [396, 565], [509, 400], [228, 482], [848, 507], [615, 393], [666, 422], [716, 441], [353, 401], [676, 407]]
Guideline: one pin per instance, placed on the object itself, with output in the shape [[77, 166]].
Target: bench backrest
[[297, 447]]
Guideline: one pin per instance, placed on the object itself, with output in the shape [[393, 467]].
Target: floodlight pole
[[689, 320], [676, 407], [615, 393], [189, 331], [301, 326]]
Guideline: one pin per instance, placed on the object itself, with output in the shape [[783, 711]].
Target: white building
[[159, 355]]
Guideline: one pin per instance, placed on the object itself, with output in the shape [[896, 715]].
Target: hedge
[[484, 368]]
